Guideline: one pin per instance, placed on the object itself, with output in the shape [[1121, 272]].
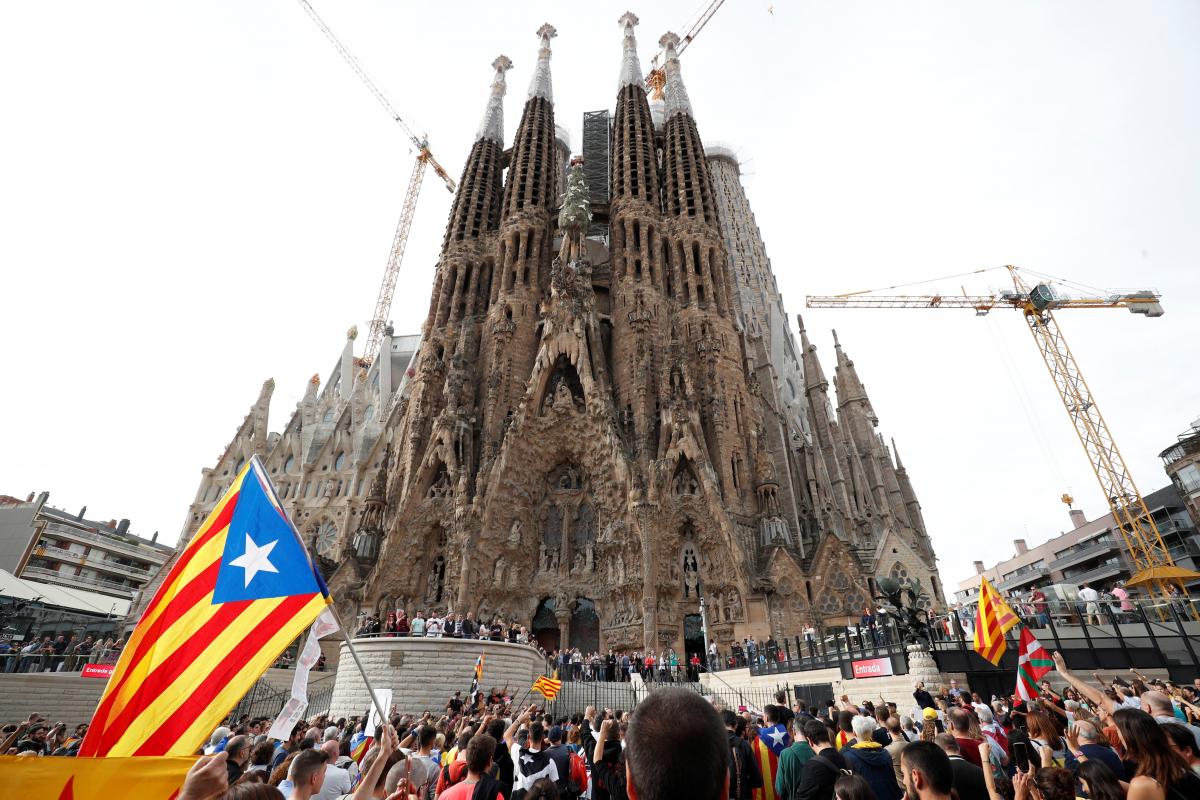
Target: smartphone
[[1021, 754]]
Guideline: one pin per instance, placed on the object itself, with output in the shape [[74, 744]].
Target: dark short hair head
[[933, 764], [537, 732], [677, 747], [480, 752], [728, 718], [262, 754], [771, 713], [236, 745], [960, 720], [816, 732], [427, 735]]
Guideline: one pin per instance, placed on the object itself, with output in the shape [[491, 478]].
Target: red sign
[[97, 670], [872, 667]]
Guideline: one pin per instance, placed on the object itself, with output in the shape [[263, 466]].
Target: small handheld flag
[[994, 619], [476, 677], [547, 687], [1033, 662], [241, 591]]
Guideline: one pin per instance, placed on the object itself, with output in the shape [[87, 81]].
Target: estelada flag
[[241, 591], [92, 778], [1033, 662], [768, 746], [992, 621]]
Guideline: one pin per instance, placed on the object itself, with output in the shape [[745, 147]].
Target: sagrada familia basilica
[[605, 415]]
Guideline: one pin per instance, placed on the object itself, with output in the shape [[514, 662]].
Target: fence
[[575, 697], [266, 700]]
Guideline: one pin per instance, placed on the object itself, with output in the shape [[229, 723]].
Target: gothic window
[[691, 570], [290, 464], [369, 414], [328, 416], [584, 533], [241, 463], [685, 482], [899, 571], [326, 538], [552, 533], [562, 375], [441, 481], [339, 461]]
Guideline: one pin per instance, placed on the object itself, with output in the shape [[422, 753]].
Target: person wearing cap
[[560, 754], [36, 740]]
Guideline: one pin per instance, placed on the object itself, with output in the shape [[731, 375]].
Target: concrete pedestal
[[424, 674]]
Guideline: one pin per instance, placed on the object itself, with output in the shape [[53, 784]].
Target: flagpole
[[383, 717]]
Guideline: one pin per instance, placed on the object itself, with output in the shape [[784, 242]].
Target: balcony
[[77, 581], [92, 560], [106, 542], [1097, 547], [1024, 576], [1100, 573]]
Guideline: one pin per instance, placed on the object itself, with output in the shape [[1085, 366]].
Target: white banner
[[384, 696], [293, 709]]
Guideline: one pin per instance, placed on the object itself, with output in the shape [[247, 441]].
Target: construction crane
[[387, 287], [656, 79], [1152, 560]]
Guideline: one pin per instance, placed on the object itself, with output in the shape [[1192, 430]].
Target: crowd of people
[[61, 653], [1114, 740], [435, 624]]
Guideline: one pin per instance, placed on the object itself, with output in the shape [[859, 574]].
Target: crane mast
[[1139, 532], [424, 158]]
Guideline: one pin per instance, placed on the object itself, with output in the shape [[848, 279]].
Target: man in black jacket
[[968, 778], [824, 768], [744, 774], [923, 698]]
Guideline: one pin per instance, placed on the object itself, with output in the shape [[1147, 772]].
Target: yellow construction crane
[[1152, 560], [656, 79], [387, 288]]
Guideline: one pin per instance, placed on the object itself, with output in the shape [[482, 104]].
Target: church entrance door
[[693, 642], [545, 626], [585, 627]]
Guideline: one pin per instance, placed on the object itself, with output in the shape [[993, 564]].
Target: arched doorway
[[545, 626], [693, 642], [585, 626]]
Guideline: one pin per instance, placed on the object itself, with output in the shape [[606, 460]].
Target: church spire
[[476, 207], [850, 388], [634, 170], [492, 125], [539, 85], [631, 67], [677, 101]]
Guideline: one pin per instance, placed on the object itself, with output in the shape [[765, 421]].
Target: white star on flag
[[255, 559], [777, 736]]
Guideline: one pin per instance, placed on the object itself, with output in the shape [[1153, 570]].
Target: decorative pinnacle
[[631, 68], [677, 101], [540, 86], [492, 125]]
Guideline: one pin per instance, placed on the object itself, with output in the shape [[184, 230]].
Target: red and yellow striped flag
[[547, 687], [240, 592], [992, 621]]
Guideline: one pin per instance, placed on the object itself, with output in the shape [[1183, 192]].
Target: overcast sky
[[198, 196]]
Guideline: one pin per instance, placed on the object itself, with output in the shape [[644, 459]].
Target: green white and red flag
[[1033, 662]]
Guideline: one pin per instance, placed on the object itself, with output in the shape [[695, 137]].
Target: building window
[[328, 416], [340, 461], [290, 464], [369, 414], [1189, 478]]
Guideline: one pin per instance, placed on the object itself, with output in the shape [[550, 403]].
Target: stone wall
[[68, 697], [424, 673], [63, 697]]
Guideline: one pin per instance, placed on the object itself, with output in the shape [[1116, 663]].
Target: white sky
[[198, 196]]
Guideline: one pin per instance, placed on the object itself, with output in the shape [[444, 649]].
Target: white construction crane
[[387, 287]]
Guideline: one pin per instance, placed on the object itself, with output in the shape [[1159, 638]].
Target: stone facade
[[601, 427], [425, 673]]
